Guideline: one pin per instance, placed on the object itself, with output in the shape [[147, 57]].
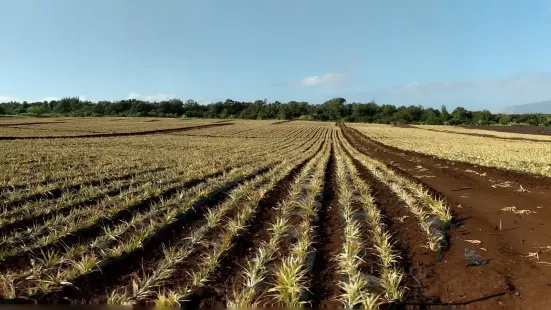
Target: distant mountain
[[536, 107]]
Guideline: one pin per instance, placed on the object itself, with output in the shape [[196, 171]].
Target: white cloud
[[7, 98], [50, 99], [412, 86], [326, 79], [158, 97], [134, 96]]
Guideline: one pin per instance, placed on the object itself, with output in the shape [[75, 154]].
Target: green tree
[[414, 113], [332, 108], [482, 117], [401, 116], [387, 110], [431, 116], [192, 109], [37, 109], [24, 107], [504, 119], [444, 114], [65, 105], [459, 116]]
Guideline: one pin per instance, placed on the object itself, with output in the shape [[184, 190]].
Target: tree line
[[336, 109]]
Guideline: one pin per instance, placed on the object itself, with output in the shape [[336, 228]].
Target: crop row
[[50, 170], [288, 275], [360, 214], [432, 213], [61, 225], [58, 267], [260, 131], [486, 151], [242, 205], [194, 163]]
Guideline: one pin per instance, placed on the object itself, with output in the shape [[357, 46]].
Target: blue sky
[[478, 54]]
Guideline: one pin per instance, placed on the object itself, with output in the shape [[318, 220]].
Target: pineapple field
[[201, 213]]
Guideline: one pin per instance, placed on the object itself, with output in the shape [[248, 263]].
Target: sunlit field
[[235, 213]]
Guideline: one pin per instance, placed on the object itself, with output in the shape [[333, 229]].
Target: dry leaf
[[521, 189], [532, 255], [514, 210], [402, 218], [477, 242]]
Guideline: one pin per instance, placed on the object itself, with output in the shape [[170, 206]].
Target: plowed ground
[[477, 195]]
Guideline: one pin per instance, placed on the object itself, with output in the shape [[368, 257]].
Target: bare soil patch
[[120, 134], [328, 243], [531, 130], [477, 210], [282, 122], [29, 123], [481, 135]]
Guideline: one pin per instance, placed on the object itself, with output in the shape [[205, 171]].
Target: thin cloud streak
[[4, 98], [327, 79], [52, 99], [152, 98]]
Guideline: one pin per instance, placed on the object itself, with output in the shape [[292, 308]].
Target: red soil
[[481, 135], [532, 130], [120, 134], [29, 123], [328, 243], [476, 200]]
